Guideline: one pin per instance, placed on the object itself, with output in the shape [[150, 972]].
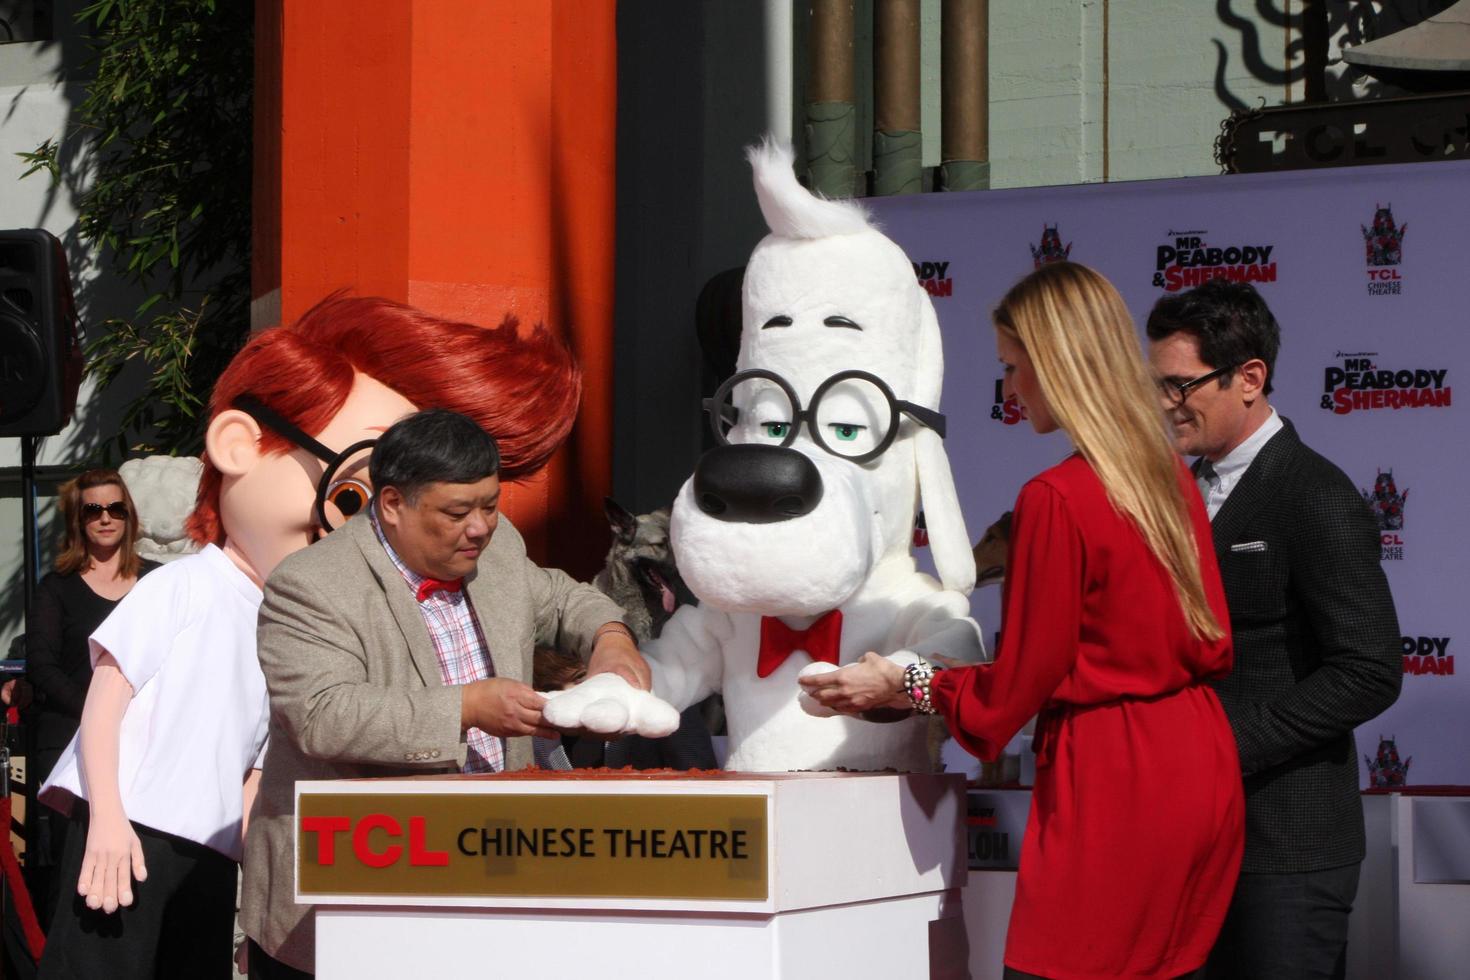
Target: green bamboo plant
[[159, 151]]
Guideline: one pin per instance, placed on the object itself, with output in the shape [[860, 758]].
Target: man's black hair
[[432, 446], [1229, 319]]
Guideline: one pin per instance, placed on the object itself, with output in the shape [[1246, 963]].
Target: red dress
[[1137, 821]]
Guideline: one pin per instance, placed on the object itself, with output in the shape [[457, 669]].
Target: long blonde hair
[[1085, 352]]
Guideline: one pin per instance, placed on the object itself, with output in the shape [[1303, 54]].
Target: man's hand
[[500, 706], [615, 653]]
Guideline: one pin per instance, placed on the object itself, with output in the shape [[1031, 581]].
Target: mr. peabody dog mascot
[[795, 532]]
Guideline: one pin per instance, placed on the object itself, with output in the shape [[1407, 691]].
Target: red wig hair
[[521, 388]]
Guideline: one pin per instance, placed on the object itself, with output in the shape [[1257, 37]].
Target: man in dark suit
[[1316, 637]]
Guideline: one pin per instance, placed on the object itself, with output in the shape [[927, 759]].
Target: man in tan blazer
[[401, 645]]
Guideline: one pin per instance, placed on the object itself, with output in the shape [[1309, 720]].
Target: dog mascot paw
[[795, 531], [605, 704], [808, 703]]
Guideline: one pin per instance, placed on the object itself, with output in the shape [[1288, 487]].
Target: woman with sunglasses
[[1114, 621], [96, 567]]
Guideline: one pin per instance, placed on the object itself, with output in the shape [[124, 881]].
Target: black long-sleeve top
[[63, 613]]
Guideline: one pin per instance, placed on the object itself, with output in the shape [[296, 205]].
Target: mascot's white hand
[[808, 703], [904, 658], [608, 705]]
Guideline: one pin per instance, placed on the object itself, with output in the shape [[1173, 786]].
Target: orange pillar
[[458, 157]]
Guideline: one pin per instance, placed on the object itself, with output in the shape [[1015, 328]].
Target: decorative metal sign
[[520, 845], [1341, 134]]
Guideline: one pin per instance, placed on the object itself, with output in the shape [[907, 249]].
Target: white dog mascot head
[[795, 532], [809, 499]]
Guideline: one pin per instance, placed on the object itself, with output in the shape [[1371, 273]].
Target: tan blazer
[[356, 691]]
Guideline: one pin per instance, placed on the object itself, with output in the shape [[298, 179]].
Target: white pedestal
[[1408, 922], [861, 877]]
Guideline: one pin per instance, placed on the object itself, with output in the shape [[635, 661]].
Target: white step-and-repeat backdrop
[[1368, 272]]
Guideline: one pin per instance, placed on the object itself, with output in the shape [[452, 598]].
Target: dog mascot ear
[[948, 539], [949, 542]]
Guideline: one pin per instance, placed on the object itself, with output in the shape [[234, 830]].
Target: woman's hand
[[114, 858], [872, 682]]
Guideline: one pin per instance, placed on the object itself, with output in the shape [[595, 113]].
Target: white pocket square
[[1249, 546]]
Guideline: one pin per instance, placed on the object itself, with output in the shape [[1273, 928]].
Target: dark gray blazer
[[1316, 652], [356, 689]]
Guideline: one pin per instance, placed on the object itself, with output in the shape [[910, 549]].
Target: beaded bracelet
[[916, 680]]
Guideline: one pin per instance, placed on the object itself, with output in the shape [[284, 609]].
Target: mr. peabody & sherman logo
[[1428, 655], [1187, 260], [1007, 411], [934, 277], [1360, 384]]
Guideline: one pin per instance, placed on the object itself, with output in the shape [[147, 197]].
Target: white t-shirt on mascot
[[184, 638]]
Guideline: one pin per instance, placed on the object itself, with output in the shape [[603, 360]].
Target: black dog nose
[[756, 484]]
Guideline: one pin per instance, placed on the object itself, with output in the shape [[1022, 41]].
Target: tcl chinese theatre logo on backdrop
[[1384, 244], [934, 277], [1360, 382], [1050, 248], [1188, 259], [1386, 770], [1387, 502]]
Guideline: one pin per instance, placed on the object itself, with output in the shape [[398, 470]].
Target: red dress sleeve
[[986, 705]]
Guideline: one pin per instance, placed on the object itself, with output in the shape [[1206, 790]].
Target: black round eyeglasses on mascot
[[348, 494], [853, 415]]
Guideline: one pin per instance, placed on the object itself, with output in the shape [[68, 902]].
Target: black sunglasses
[[348, 495], [117, 510]]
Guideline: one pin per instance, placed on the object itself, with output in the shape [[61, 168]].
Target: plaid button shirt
[[460, 647]]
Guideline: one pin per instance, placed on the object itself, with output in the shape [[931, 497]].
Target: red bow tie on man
[[431, 585], [821, 640]]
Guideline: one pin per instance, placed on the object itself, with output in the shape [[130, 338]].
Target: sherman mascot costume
[[165, 766]]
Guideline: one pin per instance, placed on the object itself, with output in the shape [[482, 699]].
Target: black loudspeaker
[[40, 342]]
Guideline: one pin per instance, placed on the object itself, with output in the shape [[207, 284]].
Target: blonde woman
[[1114, 622]]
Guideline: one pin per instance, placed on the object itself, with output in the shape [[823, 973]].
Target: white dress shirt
[[1217, 479], [459, 643]]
